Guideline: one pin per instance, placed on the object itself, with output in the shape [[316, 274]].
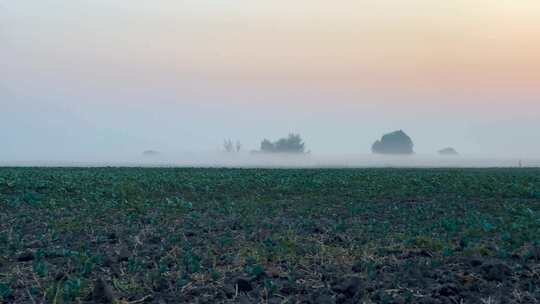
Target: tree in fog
[[230, 147], [291, 144], [397, 142], [267, 146]]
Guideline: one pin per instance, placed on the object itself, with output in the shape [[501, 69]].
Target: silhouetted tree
[[267, 146], [228, 145], [291, 144], [231, 147], [238, 146], [394, 143]]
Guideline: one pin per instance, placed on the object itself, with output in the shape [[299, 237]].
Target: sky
[[87, 78]]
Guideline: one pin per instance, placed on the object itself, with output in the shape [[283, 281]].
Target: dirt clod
[[243, 284], [103, 292], [495, 271], [348, 286], [26, 256], [124, 254]]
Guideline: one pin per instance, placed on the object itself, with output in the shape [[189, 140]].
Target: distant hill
[[397, 142]]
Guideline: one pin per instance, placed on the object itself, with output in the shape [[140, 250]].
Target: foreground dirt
[[269, 236]]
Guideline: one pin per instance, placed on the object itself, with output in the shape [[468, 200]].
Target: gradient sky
[[103, 77]]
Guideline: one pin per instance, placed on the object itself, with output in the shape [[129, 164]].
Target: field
[[133, 235]]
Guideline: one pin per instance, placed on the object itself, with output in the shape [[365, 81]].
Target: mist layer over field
[[249, 160]]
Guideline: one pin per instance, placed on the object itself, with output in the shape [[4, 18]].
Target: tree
[[231, 147], [291, 144], [267, 146], [228, 146], [394, 143]]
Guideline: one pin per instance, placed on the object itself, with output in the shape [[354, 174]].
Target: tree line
[[397, 142]]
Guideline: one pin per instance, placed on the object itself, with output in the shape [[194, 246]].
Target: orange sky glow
[[419, 44]]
